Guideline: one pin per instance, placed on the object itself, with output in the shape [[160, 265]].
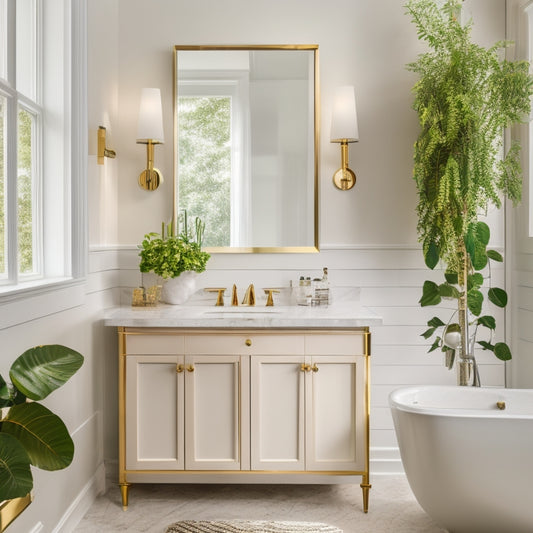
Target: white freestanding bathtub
[[468, 455]]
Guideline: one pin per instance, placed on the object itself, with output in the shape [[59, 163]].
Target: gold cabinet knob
[[190, 368], [305, 368], [248, 342], [179, 369], [314, 368]]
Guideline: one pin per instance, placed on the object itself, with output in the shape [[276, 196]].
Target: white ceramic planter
[[178, 290]]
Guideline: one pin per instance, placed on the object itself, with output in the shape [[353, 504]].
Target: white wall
[[368, 235], [519, 235]]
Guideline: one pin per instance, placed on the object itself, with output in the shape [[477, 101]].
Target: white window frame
[[62, 212]]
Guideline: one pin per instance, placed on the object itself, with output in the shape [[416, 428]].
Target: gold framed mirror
[[246, 138]]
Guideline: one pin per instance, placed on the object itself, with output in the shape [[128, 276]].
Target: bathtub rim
[[399, 397]]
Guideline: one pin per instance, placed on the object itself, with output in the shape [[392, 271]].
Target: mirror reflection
[[246, 145]]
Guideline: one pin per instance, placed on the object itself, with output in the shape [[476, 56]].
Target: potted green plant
[[465, 97], [177, 257], [31, 434]]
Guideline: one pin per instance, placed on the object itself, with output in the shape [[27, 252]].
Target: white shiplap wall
[[391, 279]]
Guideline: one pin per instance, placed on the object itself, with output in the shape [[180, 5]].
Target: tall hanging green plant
[[465, 97]]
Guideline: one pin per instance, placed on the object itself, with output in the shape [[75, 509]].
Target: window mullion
[[11, 42], [11, 192]]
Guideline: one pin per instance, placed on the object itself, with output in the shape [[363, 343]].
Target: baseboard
[[82, 502], [386, 461]]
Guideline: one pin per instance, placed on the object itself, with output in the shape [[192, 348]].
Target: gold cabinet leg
[[366, 486], [124, 490]]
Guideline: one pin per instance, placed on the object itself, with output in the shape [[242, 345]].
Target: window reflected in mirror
[[246, 145]]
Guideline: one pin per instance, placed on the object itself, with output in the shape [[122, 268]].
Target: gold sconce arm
[[102, 150], [344, 178], [151, 177]]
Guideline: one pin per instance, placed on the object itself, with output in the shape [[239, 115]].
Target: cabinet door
[[212, 418], [277, 412], [154, 412], [335, 413]]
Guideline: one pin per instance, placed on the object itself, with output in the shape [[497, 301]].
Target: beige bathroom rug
[[249, 526]]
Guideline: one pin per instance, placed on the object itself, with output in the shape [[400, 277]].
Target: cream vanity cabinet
[[261, 405]]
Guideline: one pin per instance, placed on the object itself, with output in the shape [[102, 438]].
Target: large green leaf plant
[[465, 97], [31, 434]]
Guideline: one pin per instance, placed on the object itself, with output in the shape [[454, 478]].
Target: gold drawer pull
[[248, 342], [315, 368], [179, 369], [190, 368], [305, 368]]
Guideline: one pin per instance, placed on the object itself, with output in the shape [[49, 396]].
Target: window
[[213, 154], [205, 175], [37, 178]]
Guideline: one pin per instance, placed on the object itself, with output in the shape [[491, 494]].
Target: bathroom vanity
[[234, 395]]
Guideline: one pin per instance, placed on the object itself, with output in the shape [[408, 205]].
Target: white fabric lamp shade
[[150, 125], [344, 116]]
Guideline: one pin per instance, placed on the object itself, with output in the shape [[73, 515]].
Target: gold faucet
[[234, 298], [249, 297]]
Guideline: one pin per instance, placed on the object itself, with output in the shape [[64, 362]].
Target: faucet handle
[[220, 296], [270, 299]]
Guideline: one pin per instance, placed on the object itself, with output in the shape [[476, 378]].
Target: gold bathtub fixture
[[103, 151], [500, 405], [344, 130], [150, 132]]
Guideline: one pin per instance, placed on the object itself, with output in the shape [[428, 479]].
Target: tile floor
[[392, 508]]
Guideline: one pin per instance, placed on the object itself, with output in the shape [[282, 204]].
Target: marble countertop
[[342, 313]]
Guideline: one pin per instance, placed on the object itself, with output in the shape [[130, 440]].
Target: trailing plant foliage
[[168, 256], [465, 97], [31, 434]]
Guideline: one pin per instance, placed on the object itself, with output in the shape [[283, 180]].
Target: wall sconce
[[344, 130], [102, 150], [150, 132]]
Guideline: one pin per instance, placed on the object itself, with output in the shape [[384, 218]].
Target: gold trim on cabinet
[[252, 472], [365, 483], [177, 331], [367, 341], [10, 509], [122, 407]]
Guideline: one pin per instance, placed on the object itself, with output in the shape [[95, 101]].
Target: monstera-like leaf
[[15, 473], [41, 370], [43, 435]]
